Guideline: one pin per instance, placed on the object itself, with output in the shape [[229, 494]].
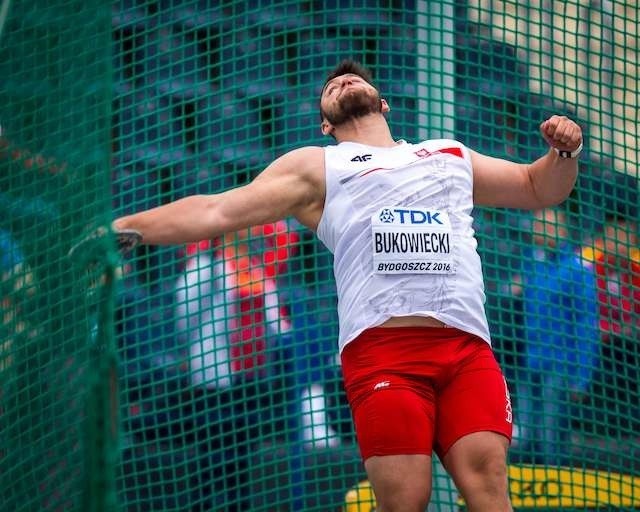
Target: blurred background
[[206, 377]]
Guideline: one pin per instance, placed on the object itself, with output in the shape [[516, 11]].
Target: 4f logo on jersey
[[361, 158], [406, 216]]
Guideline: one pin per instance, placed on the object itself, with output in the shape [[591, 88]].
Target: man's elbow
[[550, 196]]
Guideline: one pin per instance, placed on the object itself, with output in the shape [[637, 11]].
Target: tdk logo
[[388, 216], [361, 158]]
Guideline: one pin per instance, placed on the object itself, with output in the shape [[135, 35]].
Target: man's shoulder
[[304, 165], [301, 160], [299, 170], [306, 152]]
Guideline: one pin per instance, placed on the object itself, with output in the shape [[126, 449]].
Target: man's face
[[347, 97]]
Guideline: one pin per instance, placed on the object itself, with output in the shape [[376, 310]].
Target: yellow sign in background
[[534, 487]]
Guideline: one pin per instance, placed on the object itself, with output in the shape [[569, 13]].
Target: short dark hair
[[347, 67]]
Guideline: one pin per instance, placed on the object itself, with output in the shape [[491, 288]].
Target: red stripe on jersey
[[423, 153], [376, 169], [452, 151]]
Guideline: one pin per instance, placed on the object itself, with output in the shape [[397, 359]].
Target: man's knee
[[478, 465], [491, 473], [400, 483]]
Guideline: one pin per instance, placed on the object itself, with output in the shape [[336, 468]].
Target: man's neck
[[371, 130]]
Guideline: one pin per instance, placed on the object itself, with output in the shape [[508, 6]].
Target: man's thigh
[[476, 399], [395, 419]]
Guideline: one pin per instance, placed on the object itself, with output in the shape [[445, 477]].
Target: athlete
[[415, 346]]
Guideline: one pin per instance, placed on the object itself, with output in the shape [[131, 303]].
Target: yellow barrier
[[360, 498], [540, 487], [549, 487]]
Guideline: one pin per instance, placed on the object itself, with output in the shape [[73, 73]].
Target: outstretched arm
[[545, 182], [293, 185]]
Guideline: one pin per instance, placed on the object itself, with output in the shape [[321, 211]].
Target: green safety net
[[205, 377]]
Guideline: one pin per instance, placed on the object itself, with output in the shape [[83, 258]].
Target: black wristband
[[569, 154]]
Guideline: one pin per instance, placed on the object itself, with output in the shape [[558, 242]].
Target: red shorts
[[414, 390]]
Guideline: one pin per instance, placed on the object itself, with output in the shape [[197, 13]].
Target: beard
[[353, 104]]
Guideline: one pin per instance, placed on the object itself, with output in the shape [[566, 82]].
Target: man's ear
[[326, 127], [384, 106]]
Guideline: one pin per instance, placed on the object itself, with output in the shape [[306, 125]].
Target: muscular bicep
[[501, 183], [291, 186]]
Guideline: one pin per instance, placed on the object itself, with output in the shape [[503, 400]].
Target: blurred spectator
[[230, 315], [17, 287], [10, 254], [228, 305], [616, 259], [561, 342]]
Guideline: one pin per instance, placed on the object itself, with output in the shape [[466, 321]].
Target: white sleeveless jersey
[[398, 222]]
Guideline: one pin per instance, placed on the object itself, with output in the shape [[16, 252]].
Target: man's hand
[[127, 239], [561, 133], [93, 246]]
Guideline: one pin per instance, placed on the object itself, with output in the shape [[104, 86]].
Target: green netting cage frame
[[111, 396]]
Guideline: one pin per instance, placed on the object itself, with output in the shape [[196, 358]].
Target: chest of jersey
[[412, 175]]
